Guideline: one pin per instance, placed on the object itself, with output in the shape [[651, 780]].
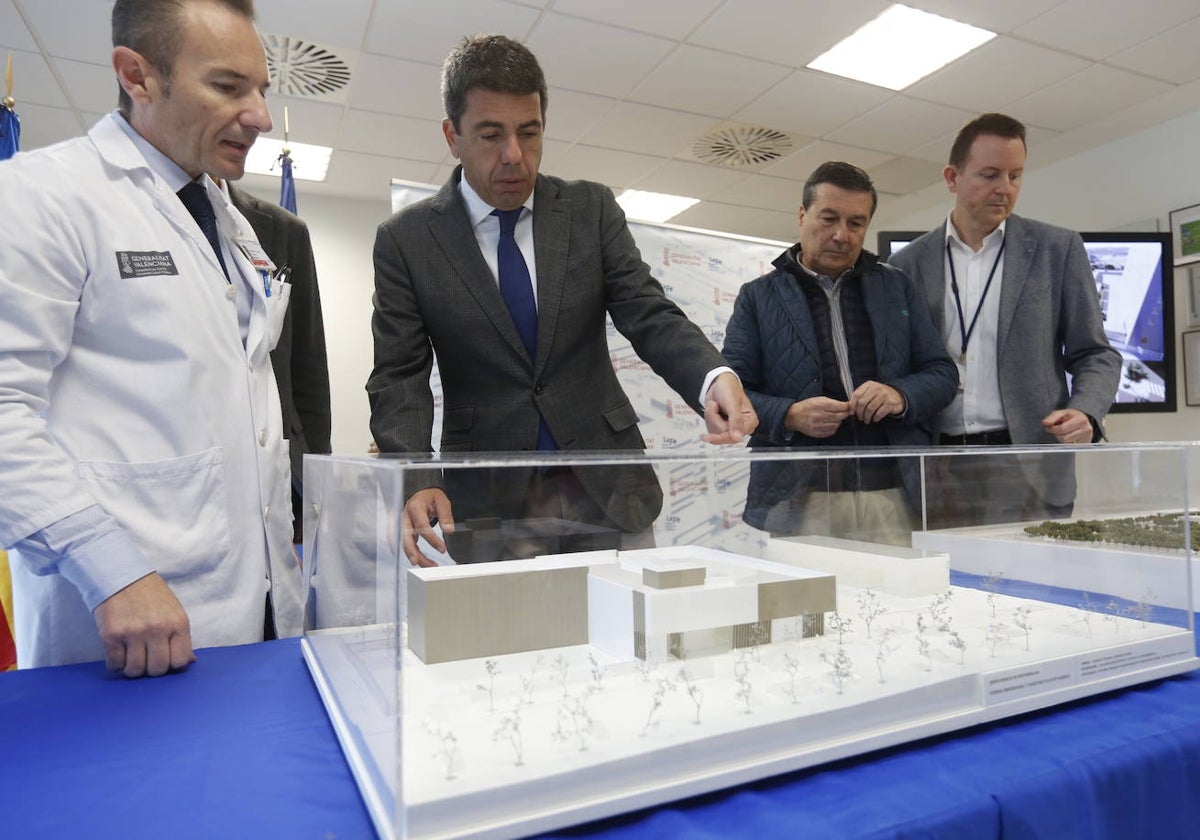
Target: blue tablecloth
[[238, 746]]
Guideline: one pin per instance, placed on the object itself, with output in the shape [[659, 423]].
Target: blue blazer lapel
[[451, 230]]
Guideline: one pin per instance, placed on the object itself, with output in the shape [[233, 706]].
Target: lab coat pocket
[[174, 508], [277, 305]]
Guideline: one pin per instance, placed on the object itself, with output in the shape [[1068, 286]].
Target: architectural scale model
[[533, 694]]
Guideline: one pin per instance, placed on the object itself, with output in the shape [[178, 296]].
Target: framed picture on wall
[[1185, 233], [1191, 367], [1193, 291]]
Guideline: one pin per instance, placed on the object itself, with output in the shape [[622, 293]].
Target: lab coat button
[[230, 293], [262, 437]]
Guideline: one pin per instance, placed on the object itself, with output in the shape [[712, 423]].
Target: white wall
[[1131, 184]]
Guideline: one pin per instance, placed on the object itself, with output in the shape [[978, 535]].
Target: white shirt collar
[[952, 235], [477, 208]]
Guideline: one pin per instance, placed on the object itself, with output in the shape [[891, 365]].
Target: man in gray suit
[[1016, 303], [507, 275]]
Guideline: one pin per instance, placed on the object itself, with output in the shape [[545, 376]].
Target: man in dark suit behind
[[1016, 302], [301, 367], [522, 374]]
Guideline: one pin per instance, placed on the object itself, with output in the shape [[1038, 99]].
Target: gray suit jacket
[[1049, 325], [434, 294]]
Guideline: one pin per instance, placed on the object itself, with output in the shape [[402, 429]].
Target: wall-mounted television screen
[[1138, 305]]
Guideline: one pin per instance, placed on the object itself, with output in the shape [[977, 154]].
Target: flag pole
[[8, 102]]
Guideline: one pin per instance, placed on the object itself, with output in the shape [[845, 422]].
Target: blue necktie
[[516, 288], [515, 285], [195, 199]]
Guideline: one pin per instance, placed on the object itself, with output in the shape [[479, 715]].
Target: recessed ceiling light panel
[[899, 47]]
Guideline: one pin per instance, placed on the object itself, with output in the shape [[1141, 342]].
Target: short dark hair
[[1000, 125], [840, 174], [154, 29], [493, 62]]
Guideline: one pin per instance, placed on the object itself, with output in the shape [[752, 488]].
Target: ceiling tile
[[318, 123], [767, 193], [667, 18], [697, 180], [707, 82], [553, 153], [1074, 101], [812, 103], [744, 221], [800, 164], [790, 32], [441, 26], [14, 35], [1171, 56], [332, 23], [642, 128], [391, 136], [616, 169], [987, 14], [1099, 28], [938, 150], [1001, 71], [571, 115], [900, 124], [371, 175], [393, 86], [72, 29], [33, 83], [905, 174], [612, 63], [91, 87]]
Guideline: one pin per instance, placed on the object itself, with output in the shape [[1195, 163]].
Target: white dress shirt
[[977, 407]]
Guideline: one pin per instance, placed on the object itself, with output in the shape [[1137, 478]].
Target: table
[[238, 746]]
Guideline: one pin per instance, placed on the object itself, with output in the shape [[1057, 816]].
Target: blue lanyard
[[963, 329]]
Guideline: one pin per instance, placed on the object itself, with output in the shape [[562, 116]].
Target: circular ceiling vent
[[301, 68], [742, 145]]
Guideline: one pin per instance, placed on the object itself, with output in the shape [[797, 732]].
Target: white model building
[[650, 604]]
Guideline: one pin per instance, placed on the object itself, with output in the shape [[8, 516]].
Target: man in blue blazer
[[507, 275], [836, 350], [1015, 302]]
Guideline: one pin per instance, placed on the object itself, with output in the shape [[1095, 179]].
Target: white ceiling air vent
[[302, 68], [741, 146]]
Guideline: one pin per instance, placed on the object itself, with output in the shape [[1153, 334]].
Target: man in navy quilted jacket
[[835, 349]]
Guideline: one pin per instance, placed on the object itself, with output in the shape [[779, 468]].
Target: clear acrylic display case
[[878, 597]]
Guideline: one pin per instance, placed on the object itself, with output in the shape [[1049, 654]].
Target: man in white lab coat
[[145, 472]]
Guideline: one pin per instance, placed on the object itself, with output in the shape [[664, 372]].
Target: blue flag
[[10, 133], [287, 188]]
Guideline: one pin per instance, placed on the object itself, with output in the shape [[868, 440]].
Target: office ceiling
[[635, 83]]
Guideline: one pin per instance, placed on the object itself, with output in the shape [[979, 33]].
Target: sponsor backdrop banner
[[701, 271]]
